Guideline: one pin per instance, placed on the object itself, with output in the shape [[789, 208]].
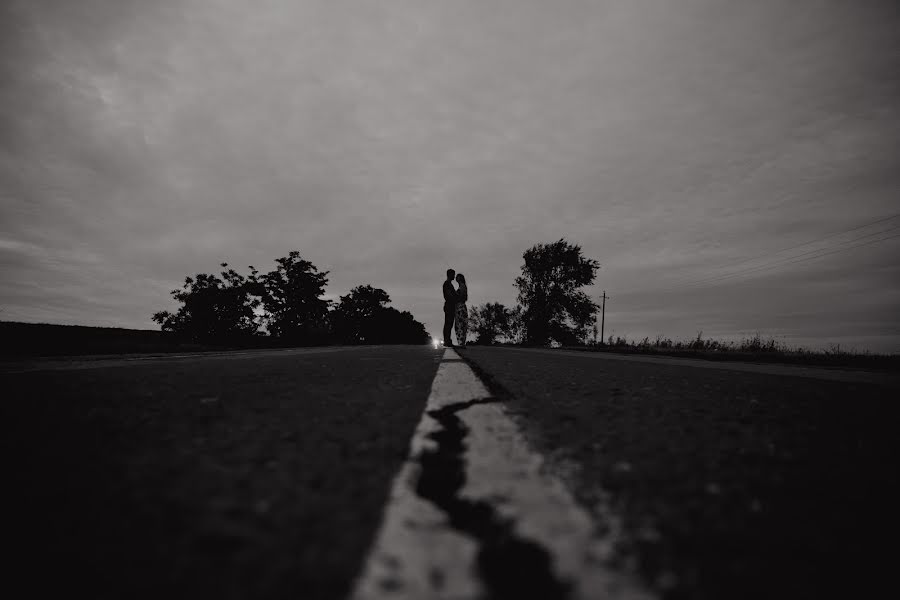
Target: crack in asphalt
[[510, 566]]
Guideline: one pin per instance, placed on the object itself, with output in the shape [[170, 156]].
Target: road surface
[[278, 474], [732, 480], [243, 475]]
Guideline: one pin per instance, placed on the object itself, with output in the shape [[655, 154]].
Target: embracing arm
[[449, 292]]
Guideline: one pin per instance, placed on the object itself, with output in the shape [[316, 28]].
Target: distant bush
[[493, 320]]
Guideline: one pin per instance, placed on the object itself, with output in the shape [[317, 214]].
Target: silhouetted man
[[449, 307]]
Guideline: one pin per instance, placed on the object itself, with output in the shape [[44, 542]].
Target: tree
[[293, 300], [289, 302], [214, 308], [364, 317], [553, 305], [391, 326], [515, 328], [353, 317], [584, 320], [489, 321]]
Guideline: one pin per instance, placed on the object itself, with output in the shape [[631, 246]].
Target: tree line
[[286, 304], [551, 302]]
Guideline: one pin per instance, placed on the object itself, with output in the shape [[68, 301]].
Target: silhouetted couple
[[455, 309]]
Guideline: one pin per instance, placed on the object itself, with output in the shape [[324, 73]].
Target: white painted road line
[[417, 555], [427, 546]]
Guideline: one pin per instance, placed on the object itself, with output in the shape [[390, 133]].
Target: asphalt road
[[263, 474], [730, 483], [242, 475]]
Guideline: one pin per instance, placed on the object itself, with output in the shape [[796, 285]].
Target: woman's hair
[[461, 277]]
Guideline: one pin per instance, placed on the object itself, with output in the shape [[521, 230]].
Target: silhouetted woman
[[462, 313]]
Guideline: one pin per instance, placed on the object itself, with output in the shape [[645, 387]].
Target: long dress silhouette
[[462, 313]]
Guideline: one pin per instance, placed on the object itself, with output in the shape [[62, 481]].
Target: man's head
[[450, 274]]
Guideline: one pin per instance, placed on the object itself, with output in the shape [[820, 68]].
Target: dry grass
[[754, 349]]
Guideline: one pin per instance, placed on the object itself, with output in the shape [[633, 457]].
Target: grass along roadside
[[753, 349]]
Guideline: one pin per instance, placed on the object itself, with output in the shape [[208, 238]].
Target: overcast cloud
[[141, 142]]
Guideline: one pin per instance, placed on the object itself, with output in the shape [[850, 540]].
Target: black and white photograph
[[449, 299]]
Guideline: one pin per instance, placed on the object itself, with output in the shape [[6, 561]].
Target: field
[[41, 339]]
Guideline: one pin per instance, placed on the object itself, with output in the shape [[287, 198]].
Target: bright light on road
[[437, 344]]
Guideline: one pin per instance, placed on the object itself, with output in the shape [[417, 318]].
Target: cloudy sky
[[733, 165]]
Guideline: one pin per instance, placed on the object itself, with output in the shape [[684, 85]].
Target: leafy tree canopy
[[391, 326], [288, 302], [214, 307], [363, 301], [553, 303], [364, 317], [292, 296]]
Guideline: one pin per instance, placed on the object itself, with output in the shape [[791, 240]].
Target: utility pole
[[603, 318]]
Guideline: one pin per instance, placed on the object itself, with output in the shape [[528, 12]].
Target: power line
[[786, 260], [829, 236], [821, 239], [684, 283], [791, 259], [794, 261]]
